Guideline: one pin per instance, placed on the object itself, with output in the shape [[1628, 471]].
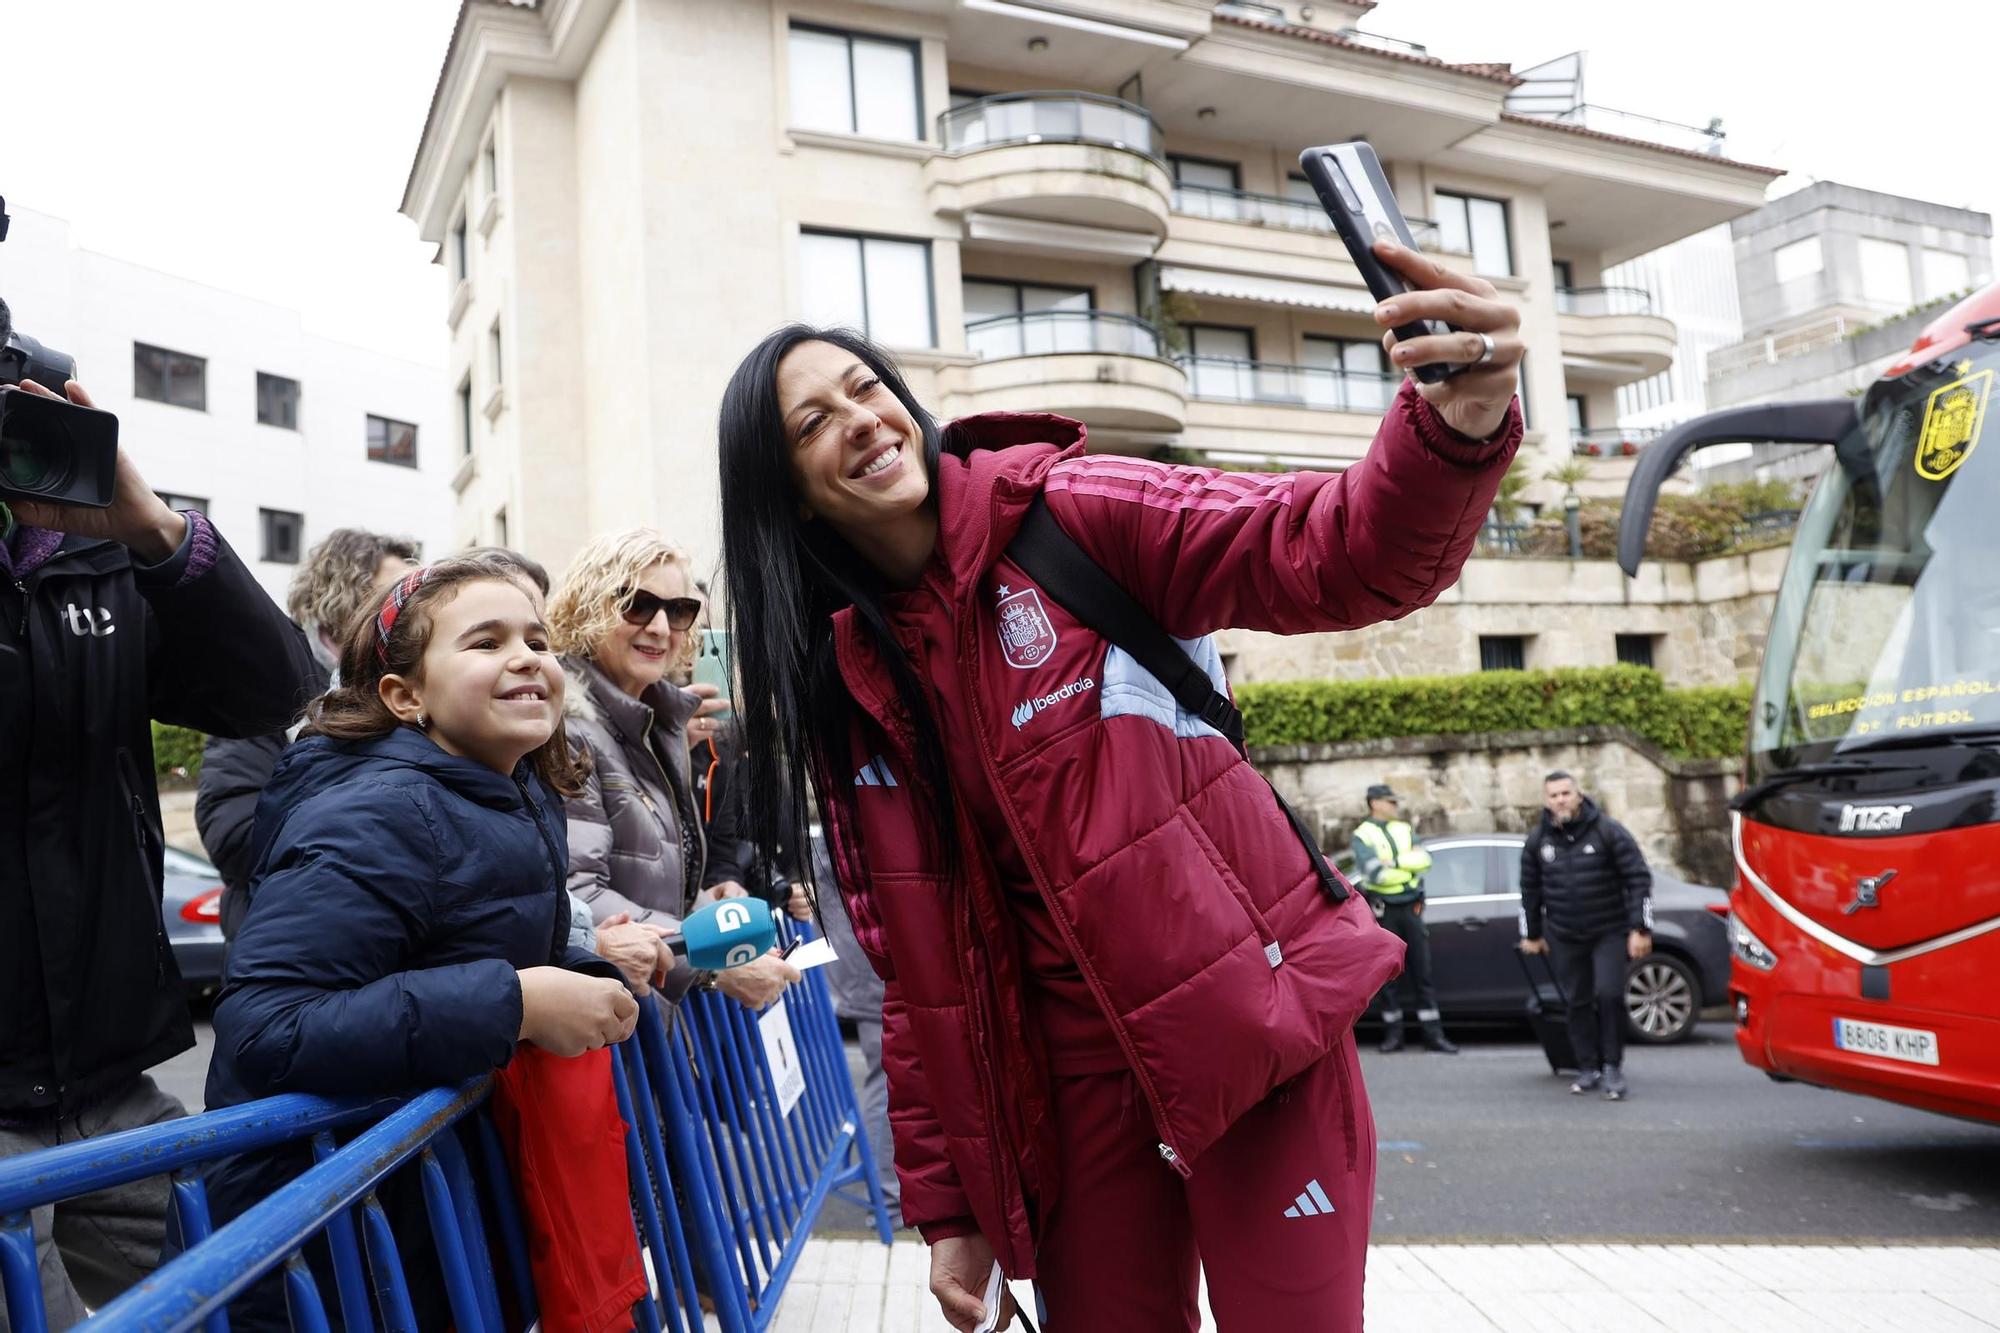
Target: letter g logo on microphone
[[732, 916]]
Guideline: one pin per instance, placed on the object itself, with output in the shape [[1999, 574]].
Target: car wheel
[[1662, 1000]]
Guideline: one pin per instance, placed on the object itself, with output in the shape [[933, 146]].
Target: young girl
[[409, 923]]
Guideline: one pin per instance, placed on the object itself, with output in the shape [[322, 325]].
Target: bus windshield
[[1887, 624]]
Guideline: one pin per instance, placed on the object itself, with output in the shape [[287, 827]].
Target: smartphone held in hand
[[1348, 179]]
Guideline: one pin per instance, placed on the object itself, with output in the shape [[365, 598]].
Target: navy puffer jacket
[[398, 889], [1583, 879]]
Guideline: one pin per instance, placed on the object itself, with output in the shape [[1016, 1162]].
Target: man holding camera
[[109, 617]]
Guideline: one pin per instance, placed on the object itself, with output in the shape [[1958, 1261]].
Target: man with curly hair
[[341, 576]]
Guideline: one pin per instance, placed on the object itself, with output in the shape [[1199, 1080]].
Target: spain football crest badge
[[1027, 639], [1953, 418]]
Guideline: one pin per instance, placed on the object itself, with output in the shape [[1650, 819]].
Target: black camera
[[51, 449]]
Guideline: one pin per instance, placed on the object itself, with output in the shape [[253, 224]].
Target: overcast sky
[[262, 145]]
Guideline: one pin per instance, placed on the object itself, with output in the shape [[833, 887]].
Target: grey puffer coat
[[635, 842]]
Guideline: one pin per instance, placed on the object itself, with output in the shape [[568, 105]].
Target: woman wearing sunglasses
[[624, 617]]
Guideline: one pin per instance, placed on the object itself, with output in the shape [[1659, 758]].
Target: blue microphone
[[729, 933]]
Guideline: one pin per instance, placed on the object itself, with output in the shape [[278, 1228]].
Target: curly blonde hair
[[334, 583], [589, 600]]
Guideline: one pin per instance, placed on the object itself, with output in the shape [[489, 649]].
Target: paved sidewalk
[[852, 1286]]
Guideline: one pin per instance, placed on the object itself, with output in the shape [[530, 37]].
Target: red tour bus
[[1865, 921]]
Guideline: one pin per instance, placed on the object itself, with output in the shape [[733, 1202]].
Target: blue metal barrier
[[726, 1186], [763, 1173]]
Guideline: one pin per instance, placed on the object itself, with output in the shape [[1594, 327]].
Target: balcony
[[1610, 335], [1611, 441], [1273, 210], [1104, 369], [1299, 415], [1077, 160]]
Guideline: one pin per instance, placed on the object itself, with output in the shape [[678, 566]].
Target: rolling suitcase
[[1548, 1015]]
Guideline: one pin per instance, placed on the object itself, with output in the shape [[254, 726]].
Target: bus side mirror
[[1769, 423]]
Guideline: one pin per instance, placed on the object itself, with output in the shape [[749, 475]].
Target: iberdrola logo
[[1024, 711]]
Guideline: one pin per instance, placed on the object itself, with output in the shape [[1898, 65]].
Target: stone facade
[[1676, 808], [1707, 623]]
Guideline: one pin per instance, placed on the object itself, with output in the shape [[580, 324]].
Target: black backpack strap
[[1081, 586]]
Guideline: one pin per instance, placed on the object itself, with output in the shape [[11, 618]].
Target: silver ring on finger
[[1485, 350]]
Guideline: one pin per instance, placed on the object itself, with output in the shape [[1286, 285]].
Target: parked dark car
[[192, 910], [1473, 905]]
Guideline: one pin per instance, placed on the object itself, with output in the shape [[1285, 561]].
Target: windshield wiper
[[1785, 777], [1968, 737]]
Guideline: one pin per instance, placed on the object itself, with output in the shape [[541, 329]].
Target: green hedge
[[176, 748], [1706, 722]]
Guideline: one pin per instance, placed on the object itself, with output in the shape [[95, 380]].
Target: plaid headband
[[385, 620]]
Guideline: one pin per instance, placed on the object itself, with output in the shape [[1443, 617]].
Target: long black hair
[[787, 579]]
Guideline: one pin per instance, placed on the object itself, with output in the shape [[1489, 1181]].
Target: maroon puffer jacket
[[1192, 910]]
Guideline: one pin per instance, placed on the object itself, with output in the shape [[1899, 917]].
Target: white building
[[1693, 282], [226, 405], [1089, 207]]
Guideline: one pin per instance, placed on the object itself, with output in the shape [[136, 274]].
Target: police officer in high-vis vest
[[1390, 867]]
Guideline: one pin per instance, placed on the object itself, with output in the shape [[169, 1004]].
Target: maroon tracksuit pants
[[1276, 1213]]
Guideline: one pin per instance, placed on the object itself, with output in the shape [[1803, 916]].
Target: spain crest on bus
[[1953, 419], [1027, 639]]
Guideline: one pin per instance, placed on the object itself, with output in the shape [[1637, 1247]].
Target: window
[[1885, 272], [459, 252], [1205, 172], [465, 416], [1565, 276], [277, 401], [495, 364], [489, 165], [989, 298], [182, 503], [1503, 652], [1579, 417], [1473, 226], [847, 83], [1221, 362], [1359, 374], [1798, 260], [175, 378], [1299, 188], [1635, 649], [1458, 870], [871, 283], [284, 534], [1945, 272], [392, 442]]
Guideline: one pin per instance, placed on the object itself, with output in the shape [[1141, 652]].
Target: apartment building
[[1089, 207], [228, 406]]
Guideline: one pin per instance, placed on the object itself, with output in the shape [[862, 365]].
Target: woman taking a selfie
[[1119, 995]]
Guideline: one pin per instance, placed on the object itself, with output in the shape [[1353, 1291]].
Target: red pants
[[1129, 1238]]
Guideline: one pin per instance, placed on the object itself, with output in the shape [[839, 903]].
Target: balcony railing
[[1225, 380], [1611, 441], [1632, 125], [1502, 539], [1046, 332], [1049, 117], [1603, 301], [1273, 210]]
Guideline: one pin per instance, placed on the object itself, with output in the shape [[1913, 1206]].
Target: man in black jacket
[[108, 618], [1586, 901], [341, 576]]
